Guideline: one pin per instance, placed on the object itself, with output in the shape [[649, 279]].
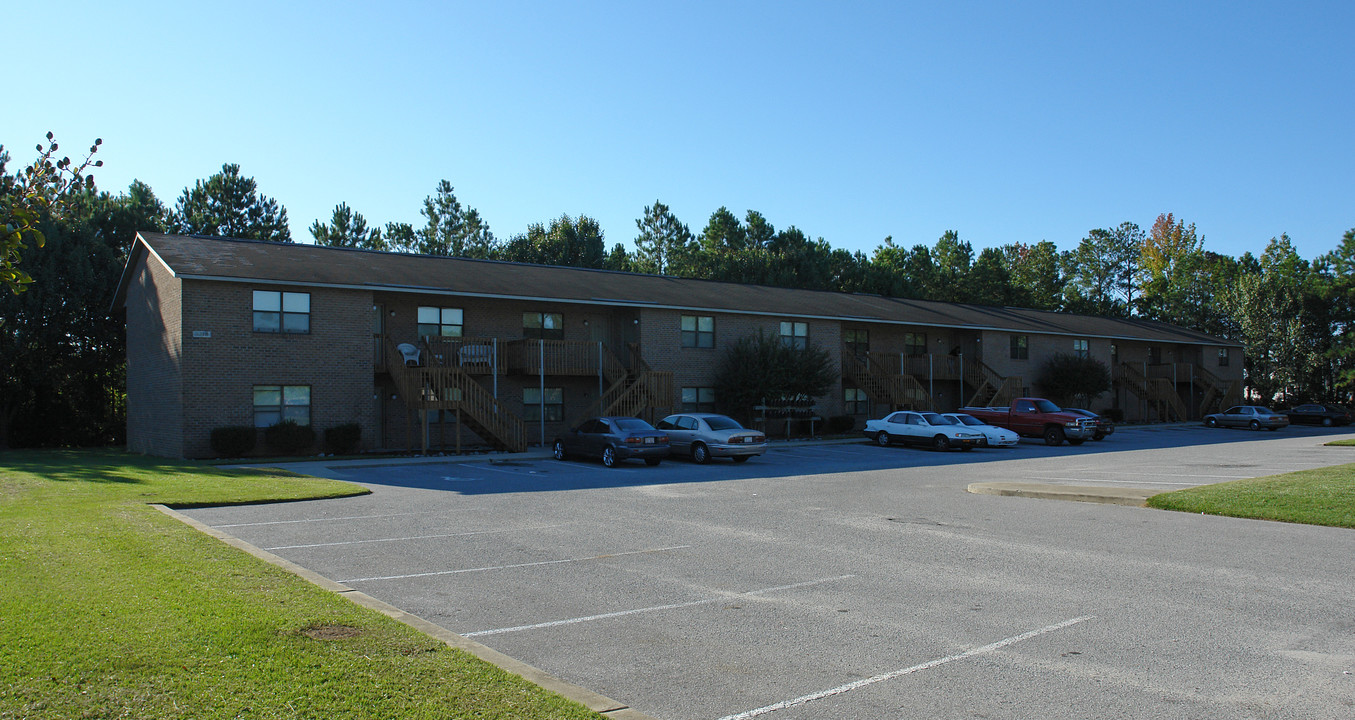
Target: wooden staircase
[[900, 391], [1159, 393], [638, 391], [990, 389], [440, 383], [1219, 394]]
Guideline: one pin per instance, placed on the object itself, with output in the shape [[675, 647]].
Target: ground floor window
[[855, 401], [698, 399], [276, 403], [539, 404]]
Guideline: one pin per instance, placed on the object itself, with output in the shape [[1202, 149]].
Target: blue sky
[[1003, 121]]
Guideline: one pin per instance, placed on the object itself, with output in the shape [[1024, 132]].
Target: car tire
[[882, 439], [609, 456], [700, 453], [941, 443], [1053, 437], [741, 458], [1254, 425], [1326, 422], [1211, 422], [651, 461], [559, 450]]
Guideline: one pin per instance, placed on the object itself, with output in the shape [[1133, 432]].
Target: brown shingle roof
[[232, 260]]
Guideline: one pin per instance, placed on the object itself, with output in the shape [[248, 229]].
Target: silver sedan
[[1253, 417], [703, 436]]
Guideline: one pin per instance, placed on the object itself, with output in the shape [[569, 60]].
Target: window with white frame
[[855, 401], [282, 312], [1081, 348], [543, 404], [698, 399], [795, 335], [698, 331], [276, 403], [440, 322]]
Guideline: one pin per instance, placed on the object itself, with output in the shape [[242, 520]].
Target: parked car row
[[1255, 417], [699, 436]]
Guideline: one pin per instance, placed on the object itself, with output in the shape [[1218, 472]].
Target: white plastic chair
[[411, 353]]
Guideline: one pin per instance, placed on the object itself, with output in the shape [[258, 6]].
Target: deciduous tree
[[42, 189]]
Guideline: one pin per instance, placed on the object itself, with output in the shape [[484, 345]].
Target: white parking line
[[412, 537], [518, 565], [655, 608], [328, 519], [907, 671]]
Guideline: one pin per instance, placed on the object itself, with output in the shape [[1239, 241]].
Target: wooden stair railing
[[449, 387], [897, 390], [1159, 393]]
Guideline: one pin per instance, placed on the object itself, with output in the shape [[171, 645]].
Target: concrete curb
[[1133, 497], [593, 701]]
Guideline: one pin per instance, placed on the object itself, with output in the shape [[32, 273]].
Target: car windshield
[[934, 419], [632, 424], [1045, 406], [968, 420], [720, 422]]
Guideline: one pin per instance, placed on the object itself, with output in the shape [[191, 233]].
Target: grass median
[[110, 609], [1325, 496]]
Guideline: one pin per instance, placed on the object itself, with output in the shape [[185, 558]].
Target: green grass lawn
[[1325, 496], [110, 609]]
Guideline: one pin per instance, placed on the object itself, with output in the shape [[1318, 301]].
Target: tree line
[[62, 378]]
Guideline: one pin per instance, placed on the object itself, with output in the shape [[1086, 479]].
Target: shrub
[[233, 440], [289, 438], [343, 439], [759, 368], [1067, 378]]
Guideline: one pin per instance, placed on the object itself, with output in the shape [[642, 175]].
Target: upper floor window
[[275, 403], [915, 343], [543, 326], [1223, 357], [795, 335], [698, 331], [1081, 348], [857, 341], [440, 322], [1020, 347], [286, 312]]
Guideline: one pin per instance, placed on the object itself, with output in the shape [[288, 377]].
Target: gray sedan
[[706, 435], [1253, 417]]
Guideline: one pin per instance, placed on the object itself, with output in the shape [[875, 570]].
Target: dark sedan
[[1104, 425], [1319, 414], [614, 439]]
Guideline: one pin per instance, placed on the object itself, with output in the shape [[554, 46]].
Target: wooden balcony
[[562, 357]]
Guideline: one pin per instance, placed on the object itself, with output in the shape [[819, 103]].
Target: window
[[698, 331], [698, 399], [1223, 357], [855, 400], [543, 326], [285, 312], [533, 405], [795, 335], [857, 341], [440, 322], [915, 343], [1020, 347], [1081, 348], [275, 403]]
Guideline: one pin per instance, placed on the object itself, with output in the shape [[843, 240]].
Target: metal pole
[[960, 401], [495, 359], [600, 408], [541, 397], [931, 377]]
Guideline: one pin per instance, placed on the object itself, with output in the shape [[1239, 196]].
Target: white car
[[922, 428], [993, 436]]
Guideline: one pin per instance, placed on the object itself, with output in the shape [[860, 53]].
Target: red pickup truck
[[1037, 417]]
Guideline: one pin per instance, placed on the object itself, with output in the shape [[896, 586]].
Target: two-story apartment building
[[455, 353]]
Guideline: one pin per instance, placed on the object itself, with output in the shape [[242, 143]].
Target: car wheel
[[700, 455], [559, 450], [1254, 425], [941, 443], [741, 458], [1211, 422], [882, 438], [1053, 436], [1326, 422], [651, 461], [609, 456]]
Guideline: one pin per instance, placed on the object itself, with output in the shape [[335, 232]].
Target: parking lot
[[853, 581]]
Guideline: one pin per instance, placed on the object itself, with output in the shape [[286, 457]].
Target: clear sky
[[1005, 121]]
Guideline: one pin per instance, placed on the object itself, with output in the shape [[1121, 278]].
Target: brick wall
[[154, 361]]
